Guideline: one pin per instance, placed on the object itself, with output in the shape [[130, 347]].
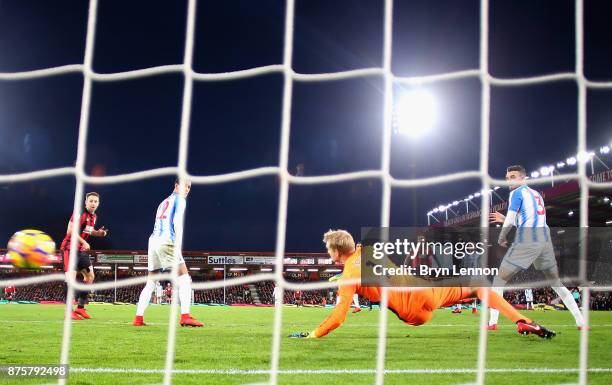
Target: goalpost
[[281, 170]]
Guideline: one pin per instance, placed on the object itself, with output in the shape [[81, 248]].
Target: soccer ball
[[30, 249]]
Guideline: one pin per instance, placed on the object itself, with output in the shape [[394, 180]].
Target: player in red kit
[[9, 292], [168, 292], [298, 298], [86, 223]]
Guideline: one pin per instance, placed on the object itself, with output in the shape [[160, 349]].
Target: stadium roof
[[562, 205]]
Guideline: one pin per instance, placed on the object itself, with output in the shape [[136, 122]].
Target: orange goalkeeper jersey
[[414, 308]]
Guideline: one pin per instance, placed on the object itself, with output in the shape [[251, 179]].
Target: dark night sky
[[336, 126]]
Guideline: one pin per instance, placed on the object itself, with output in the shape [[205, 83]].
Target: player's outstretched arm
[[336, 318]]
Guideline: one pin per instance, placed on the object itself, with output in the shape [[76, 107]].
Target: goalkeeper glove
[[302, 335], [335, 277]]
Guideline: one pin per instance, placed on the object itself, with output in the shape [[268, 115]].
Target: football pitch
[[234, 347]]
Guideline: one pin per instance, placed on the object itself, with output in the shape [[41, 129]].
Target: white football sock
[[570, 303], [145, 298], [184, 288], [498, 287], [356, 301]]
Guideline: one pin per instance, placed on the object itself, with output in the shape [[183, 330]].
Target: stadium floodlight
[[441, 208], [606, 199], [571, 213], [571, 161], [470, 197], [477, 194], [455, 203], [496, 188], [547, 170], [560, 164], [194, 268], [415, 113], [238, 269], [535, 174], [266, 269], [435, 210], [583, 156], [604, 150]]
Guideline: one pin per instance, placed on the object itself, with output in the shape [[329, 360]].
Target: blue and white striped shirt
[[528, 205], [169, 218]]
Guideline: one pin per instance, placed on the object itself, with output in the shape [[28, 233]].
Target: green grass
[[241, 338]]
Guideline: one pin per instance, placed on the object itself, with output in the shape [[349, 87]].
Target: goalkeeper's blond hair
[[340, 240]]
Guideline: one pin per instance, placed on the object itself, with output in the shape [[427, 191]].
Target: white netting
[[281, 171]]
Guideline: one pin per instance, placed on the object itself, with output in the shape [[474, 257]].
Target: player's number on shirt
[[541, 210], [162, 215]]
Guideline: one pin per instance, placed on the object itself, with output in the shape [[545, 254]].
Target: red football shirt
[[87, 222]]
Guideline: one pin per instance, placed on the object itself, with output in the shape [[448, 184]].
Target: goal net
[[487, 81]]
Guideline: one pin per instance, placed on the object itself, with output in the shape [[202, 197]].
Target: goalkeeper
[[414, 308]]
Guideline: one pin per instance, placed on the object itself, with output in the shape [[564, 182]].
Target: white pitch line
[[337, 371]]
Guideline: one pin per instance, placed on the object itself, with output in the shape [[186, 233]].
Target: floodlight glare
[[584, 156], [415, 113]]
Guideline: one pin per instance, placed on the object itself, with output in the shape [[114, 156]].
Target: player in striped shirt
[[532, 244], [86, 223], [165, 245]]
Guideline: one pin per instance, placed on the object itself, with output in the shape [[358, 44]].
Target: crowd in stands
[[50, 291], [305, 297], [233, 295], [543, 295], [601, 301], [54, 291]]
